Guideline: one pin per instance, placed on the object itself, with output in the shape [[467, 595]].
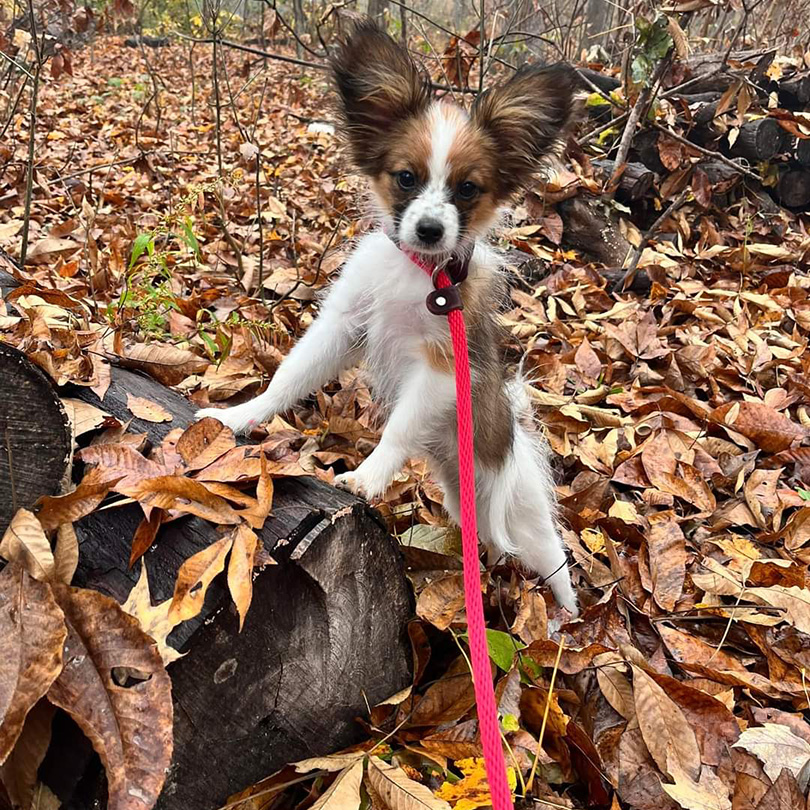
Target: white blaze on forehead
[[445, 121]]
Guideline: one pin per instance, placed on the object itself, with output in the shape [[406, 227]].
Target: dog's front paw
[[351, 482], [230, 417]]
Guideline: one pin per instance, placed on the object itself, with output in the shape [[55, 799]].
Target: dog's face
[[438, 173]]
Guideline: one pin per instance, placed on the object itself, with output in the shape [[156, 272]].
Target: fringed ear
[[380, 86], [526, 118]]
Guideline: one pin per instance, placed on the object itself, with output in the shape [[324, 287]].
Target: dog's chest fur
[[399, 334]]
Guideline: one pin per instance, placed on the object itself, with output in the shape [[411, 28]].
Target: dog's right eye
[[406, 180]]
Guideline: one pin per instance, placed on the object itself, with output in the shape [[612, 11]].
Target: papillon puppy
[[439, 176]]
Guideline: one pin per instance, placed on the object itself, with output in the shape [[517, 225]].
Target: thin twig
[[708, 152], [256, 51], [530, 781], [645, 98], [630, 273]]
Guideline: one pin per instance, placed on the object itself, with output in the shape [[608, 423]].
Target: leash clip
[[443, 300]]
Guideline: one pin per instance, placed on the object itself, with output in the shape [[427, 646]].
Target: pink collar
[[445, 297], [455, 269]]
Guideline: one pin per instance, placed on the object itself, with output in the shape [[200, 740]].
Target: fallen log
[[803, 152], [636, 180], [603, 81], [794, 92], [760, 140], [323, 640], [35, 437], [589, 229], [714, 72], [793, 189], [645, 150]]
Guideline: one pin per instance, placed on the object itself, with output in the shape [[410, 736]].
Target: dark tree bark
[[35, 436], [588, 229], [793, 189], [636, 180], [604, 82], [323, 640], [803, 151], [794, 93], [760, 140], [645, 149]]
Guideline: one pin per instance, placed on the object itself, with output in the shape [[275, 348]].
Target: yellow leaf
[[153, 619], [473, 789]]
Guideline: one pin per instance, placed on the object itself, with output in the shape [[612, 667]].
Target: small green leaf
[[141, 243], [190, 239], [595, 100], [606, 135], [803, 493], [510, 723], [502, 648]]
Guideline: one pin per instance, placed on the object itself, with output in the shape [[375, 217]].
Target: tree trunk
[[377, 9], [324, 638], [35, 436]]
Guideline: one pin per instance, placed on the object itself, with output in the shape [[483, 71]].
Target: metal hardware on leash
[[443, 300]]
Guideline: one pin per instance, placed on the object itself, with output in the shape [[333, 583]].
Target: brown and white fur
[[439, 176]]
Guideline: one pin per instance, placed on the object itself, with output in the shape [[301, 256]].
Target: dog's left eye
[[467, 190], [406, 180]]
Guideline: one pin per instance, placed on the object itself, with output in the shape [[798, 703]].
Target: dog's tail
[[520, 507]]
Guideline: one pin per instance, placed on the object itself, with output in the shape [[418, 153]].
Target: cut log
[[712, 72], [794, 92], [323, 640], [645, 147], [721, 176], [603, 81], [803, 151], [634, 184], [760, 140], [35, 436], [793, 189], [588, 229]]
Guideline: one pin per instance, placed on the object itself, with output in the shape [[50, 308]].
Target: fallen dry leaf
[[175, 492], [54, 511], [776, 747], [664, 728], [344, 792], [399, 792], [194, 577], [145, 409], [240, 569], [153, 619], [33, 630], [19, 772], [25, 543], [130, 728], [204, 442]]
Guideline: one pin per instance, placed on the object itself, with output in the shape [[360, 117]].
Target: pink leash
[[445, 299]]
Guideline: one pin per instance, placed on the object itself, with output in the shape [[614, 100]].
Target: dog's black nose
[[429, 231]]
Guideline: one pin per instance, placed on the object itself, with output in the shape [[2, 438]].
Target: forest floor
[[679, 422]]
